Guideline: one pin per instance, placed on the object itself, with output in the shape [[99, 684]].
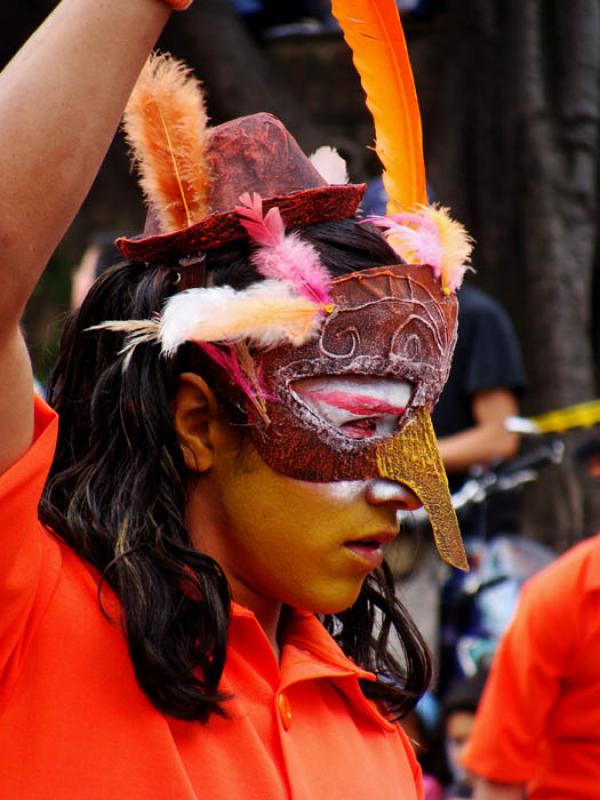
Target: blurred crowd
[[305, 16]]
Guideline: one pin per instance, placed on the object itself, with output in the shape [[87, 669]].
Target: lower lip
[[373, 556]]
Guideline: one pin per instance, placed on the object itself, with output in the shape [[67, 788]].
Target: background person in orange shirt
[[221, 477], [537, 730]]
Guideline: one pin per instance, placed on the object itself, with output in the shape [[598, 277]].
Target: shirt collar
[[309, 653]]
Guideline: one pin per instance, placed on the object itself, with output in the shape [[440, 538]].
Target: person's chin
[[333, 601]]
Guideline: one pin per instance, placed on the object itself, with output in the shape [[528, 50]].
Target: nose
[[385, 492]]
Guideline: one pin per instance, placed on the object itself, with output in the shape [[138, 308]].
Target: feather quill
[[373, 31], [266, 314], [166, 127], [146, 331], [283, 257], [236, 361]]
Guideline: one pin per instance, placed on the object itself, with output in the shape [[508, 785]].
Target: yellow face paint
[[306, 544]]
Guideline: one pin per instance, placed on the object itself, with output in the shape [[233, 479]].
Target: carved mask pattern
[[391, 323]]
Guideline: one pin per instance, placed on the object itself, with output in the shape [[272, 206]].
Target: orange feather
[[373, 31], [166, 127]]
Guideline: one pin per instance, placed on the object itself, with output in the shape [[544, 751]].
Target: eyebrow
[[356, 403]]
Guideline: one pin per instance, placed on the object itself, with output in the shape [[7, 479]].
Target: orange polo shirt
[[539, 719], [75, 726]]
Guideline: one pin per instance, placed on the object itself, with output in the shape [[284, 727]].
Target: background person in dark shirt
[[485, 381]]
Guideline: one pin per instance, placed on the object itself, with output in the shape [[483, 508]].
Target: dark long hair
[[117, 492]]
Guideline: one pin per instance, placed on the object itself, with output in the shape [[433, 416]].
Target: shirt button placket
[[285, 710]]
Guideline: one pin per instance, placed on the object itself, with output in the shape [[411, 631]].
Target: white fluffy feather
[[266, 314], [330, 165]]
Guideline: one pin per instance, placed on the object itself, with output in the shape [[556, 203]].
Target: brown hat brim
[[305, 207]]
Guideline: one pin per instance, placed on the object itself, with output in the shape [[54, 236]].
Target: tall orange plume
[[166, 127], [373, 31]]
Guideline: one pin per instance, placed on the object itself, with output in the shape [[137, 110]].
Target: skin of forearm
[[61, 98], [487, 439], [479, 445]]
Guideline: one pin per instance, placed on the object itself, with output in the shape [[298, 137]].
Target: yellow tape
[[582, 415]]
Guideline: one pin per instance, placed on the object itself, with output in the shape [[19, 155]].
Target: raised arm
[[61, 98]]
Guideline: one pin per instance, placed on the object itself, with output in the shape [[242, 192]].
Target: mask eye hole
[[362, 428], [359, 406]]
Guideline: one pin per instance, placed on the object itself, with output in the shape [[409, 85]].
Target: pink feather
[[266, 231], [416, 238], [429, 236], [280, 256], [228, 360]]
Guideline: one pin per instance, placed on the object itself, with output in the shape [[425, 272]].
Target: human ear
[[195, 417]]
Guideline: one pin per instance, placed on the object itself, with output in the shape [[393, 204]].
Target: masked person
[[199, 608]]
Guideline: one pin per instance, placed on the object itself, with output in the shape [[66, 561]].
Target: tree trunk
[[239, 78], [513, 146]]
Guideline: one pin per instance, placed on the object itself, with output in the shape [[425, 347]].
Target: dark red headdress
[[257, 154]]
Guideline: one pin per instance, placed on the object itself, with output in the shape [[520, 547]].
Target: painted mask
[[354, 403], [343, 391]]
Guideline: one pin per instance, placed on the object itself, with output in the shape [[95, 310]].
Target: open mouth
[[359, 406]]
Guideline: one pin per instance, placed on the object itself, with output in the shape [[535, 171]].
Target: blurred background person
[[422, 726], [537, 730], [439, 732], [485, 381], [99, 255], [458, 715]]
